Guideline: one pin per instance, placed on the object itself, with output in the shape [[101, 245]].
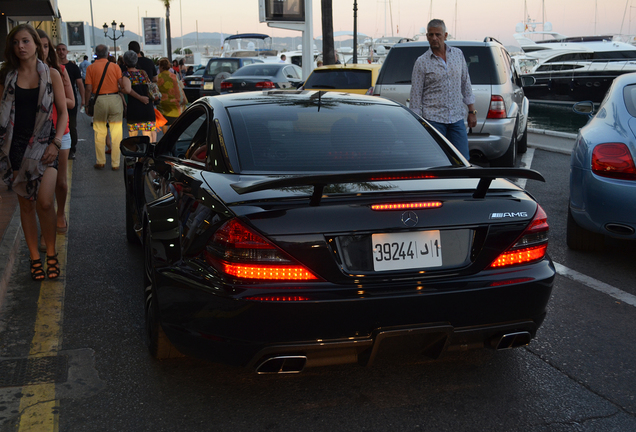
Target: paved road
[[578, 374]]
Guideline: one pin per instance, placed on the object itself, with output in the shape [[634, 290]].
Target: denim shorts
[[66, 141]]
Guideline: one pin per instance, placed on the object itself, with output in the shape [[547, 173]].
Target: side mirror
[[137, 146], [528, 81], [585, 108]]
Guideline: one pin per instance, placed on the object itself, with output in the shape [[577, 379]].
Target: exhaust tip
[[619, 229], [511, 340], [282, 365]]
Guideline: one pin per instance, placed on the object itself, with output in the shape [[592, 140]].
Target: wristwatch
[[472, 112]]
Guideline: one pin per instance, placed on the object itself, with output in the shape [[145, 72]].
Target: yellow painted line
[[39, 408]]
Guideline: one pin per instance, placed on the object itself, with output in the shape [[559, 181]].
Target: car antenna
[[319, 95]]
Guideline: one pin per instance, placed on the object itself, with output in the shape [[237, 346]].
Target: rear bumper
[[494, 139], [603, 205], [338, 326]]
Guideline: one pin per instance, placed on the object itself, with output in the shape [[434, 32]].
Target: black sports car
[[289, 229]]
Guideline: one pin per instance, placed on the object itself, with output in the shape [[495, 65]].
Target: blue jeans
[[455, 133]]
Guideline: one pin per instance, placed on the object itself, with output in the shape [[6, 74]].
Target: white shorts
[[66, 141]]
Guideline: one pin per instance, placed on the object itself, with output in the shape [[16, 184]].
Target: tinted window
[[257, 70], [629, 93], [337, 137], [218, 66], [398, 66], [339, 79]]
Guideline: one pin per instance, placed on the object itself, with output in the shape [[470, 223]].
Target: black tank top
[[26, 106]]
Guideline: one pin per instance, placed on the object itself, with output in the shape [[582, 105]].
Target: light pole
[[114, 37]]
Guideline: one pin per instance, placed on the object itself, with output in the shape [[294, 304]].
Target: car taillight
[[226, 86], [530, 246], [613, 160], [239, 251], [369, 92], [265, 85], [497, 109]]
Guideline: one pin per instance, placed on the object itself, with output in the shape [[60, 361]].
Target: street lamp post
[[114, 37]]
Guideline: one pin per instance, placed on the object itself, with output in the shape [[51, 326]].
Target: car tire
[[580, 239], [131, 235], [510, 157], [522, 144], [158, 343]]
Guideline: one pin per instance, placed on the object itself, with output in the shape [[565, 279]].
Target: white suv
[[502, 108]]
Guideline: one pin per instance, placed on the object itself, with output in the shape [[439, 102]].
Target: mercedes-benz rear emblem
[[409, 219], [243, 84]]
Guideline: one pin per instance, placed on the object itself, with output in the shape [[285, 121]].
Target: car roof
[[488, 41], [291, 96], [366, 66]]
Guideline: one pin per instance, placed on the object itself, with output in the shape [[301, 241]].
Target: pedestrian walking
[[108, 106], [441, 88], [82, 66], [61, 185], [140, 114], [77, 82], [30, 141], [173, 98]]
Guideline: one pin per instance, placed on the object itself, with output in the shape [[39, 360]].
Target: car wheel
[[522, 145], [158, 343], [131, 235], [510, 157], [578, 238]]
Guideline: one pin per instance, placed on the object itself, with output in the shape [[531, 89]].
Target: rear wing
[[319, 181]]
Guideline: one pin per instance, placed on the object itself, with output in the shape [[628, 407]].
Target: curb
[[552, 133], [9, 251]]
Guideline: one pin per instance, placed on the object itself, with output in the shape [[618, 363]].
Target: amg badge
[[508, 215]]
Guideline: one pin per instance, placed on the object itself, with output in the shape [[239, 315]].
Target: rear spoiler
[[319, 181]]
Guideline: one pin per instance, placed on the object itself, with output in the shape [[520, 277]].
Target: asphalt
[[11, 231]]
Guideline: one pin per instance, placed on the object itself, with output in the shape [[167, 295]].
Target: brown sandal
[[52, 267]]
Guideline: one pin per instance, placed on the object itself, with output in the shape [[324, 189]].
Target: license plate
[[208, 86], [411, 250]]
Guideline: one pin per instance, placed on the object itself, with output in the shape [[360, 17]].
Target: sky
[[465, 19]]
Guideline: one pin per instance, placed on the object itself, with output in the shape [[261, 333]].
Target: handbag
[[90, 106], [160, 119], [154, 91]]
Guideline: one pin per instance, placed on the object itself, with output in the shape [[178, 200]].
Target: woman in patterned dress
[[140, 113], [30, 141]]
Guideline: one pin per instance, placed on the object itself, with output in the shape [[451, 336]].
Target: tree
[[168, 35], [328, 52]]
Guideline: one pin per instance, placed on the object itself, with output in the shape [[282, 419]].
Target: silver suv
[[502, 108]]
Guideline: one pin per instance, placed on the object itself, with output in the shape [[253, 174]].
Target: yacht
[[571, 69]]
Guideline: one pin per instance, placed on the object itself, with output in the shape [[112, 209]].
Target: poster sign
[[284, 10], [75, 31], [152, 31]]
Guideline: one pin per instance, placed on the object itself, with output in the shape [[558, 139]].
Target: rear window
[[303, 137], [218, 66], [344, 79], [629, 93], [398, 66], [260, 70]]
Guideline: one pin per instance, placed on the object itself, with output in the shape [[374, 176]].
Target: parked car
[[283, 230], [351, 78], [221, 68], [192, 84], [602, 170], [263, 76], [502, 108]]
